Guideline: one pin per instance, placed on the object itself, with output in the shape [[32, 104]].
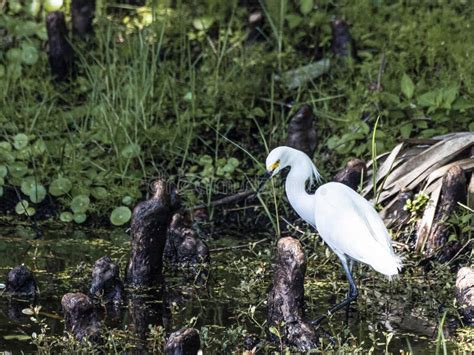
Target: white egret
[[346, 221]]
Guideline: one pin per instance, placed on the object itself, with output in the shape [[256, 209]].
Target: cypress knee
[[465, 294], [149, 227], [82, 14], [286, 297], [106, 283], [21, 283], [452, 192], [301, 132], [183, 342], [80, 317], [353, 174], [60, 53]]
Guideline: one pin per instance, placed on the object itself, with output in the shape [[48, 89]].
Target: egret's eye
[[274, 165]]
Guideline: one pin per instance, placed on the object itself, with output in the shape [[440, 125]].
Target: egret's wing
[[352, 227]]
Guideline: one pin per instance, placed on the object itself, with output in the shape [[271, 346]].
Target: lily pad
[[127, 200], [80, 204], [20, 141], [66, 217], [120, 215], [99, 192], [79, 217], [14, 55], [60, 186], [3, 171], [31, 187], [38, 193], [29, 54], [17, 169]]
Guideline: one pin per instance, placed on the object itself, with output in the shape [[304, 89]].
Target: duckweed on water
[[404, 314], [155, 96]]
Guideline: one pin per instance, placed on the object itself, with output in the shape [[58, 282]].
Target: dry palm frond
[[420, 166]]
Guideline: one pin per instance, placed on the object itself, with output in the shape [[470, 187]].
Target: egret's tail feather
[[389, 266]]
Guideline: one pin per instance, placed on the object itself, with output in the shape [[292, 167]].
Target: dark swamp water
[[404, 313]]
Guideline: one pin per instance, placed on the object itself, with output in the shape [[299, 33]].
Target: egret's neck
[[300, 200]]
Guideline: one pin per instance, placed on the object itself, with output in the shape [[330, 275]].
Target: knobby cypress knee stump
[[453, 191], [106, 283], [149, 227], [465, 294], [286, 297], [82, 15], [183, 342], [60, 53], [80, 317], [21, 283], [353, 174], [301, 131]]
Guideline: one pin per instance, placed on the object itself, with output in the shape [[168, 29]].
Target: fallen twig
[[225, 200], [243, 246]]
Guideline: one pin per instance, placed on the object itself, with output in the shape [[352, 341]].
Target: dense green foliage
[[181, 92]]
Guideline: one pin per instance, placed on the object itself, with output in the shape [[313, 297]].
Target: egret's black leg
[[353, 293], [348, 307]]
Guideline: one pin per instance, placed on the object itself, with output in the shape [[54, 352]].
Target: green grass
[[152, 98]]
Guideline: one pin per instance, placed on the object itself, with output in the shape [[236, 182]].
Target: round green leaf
[[80, 204], [20, 141], [27, 184], [30, 211], [25, 28], [127, 200], [60, 186], [79, 218], [39, 147], [99, 192], [34, 7], [14, 6], [17, 169], [306, 6], [6, 146], [203, 23], [53, 5], [3, 171], [21, 207], [66, 217], [234, 162], [38, 193], [120, 215], [14, 70], [14, 55], [29, 54], [35, 190]]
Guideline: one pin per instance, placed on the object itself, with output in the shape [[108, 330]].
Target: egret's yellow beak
[[268, 174], [272, 167]]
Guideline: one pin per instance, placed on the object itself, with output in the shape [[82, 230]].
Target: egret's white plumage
[[346, 221]]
